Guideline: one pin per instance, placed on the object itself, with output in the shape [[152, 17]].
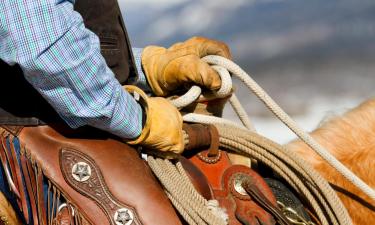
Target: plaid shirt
[[62, 60]]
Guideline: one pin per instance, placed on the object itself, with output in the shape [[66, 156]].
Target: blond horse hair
[[351, 139]]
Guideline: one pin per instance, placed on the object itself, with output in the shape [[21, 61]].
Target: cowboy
[[75, 56]]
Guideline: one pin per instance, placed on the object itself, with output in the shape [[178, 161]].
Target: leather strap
[[29, 187], [19, 179], [223, 177], [12, 120], [10, 162], [40, 197], [202, 137], [259, 197], [4, 162]]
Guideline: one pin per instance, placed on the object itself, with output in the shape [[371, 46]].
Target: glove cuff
[[150, 67], [142, 98]]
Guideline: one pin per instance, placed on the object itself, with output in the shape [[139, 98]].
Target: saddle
[[101, 180]]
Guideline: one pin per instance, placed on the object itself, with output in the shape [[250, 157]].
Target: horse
[[351, 139]]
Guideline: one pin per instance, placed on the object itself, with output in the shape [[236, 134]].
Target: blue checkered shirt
[[62, 60]]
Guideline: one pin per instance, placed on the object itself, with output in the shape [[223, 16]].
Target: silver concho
[[123, 216], [238, 186], [81, 171]]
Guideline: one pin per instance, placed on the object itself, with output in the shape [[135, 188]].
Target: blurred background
[[315, 58]]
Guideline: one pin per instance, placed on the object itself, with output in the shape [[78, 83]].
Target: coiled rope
[[235, 137], [285, 118]]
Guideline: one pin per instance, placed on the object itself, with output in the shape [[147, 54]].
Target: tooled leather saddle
[[86, 177]]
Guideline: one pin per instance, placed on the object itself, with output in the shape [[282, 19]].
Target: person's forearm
[[62, 60]]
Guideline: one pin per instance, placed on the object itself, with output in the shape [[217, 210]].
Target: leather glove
[[163, 128], [181, 65]]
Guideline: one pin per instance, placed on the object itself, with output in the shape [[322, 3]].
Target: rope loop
[[195, 92]]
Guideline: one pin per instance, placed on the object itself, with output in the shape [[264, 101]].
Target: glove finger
[[210, 47], [192, 70], [166, 127], [177, 45]]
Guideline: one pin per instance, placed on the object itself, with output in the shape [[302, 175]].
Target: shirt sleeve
[[62, 60], [142, 80]]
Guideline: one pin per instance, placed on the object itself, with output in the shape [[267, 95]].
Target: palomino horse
[[351, 139]]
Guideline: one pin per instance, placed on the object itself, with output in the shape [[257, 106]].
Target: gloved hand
[[181, 65], [163, 128]]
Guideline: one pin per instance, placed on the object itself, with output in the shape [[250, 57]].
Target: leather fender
[[128, 180]]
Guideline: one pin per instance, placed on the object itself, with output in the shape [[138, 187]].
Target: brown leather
[[202, 137], [222, 176], [10, 162], [253, 191], [198, 134], [42, 211], [29, 186], [19, 181], [7, 170], [63, 217], [197, 178], [125, 175], [213, 171], [14, 130]]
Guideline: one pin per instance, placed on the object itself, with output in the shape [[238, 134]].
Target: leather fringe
[[26, 180]]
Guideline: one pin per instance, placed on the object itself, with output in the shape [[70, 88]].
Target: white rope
[[198, 118], [193, 94], [226, 82], [320, 194], [193, 207], [187, 98], [291, 124], [241, 112]]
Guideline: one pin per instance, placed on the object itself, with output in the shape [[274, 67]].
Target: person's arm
[[62, 60]]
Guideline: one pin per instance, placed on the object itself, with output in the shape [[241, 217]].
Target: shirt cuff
[[142, 80]]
